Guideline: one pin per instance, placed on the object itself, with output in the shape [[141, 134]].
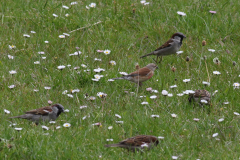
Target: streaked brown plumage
[[169, 47], [43, 114], [199, 96], [137, 143], [140, 75]]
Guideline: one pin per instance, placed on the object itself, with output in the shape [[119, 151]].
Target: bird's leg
[[160, 60], [155, 60]]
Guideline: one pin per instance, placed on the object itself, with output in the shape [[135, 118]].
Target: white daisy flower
[[101, 94], [215, 135], [83, 65], [66, 125], [37, 62], [144, 103], [236, 85], [55, 15], [180, 94], [236, 113], [41, 52], [174, 86], [18, 129], [74, 3], [112, 63], [160, 137], [196, 119], [61, 36], [92, 5], [81, 107], [123, 73], [153, 97], [46, 41], [211, 50], [11, 86], [186, 80], [179, 52], [66, 7], [10, 57], [106, 52], [155, 116], [96, 59], [216, 72], [164, 92], [69, 95], [65, 92], [174, 115], [110, 127], [75, 90], [12, 72], [66, 34], [45, 127], [118, 116], [119, 122], [61, 67], [47, 88], [204, 101], [221, 119], [26, 35], [174, 157], [7, 111], [181, 13], [206, 83], [11, 46]]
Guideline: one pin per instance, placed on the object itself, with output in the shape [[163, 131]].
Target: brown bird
[[140, 75], [43, 114], [137, 143], [168, 48], [202, 96]]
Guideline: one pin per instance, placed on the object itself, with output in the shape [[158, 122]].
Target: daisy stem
[[207, 71]]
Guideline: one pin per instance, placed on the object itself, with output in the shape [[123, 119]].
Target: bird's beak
[[184, 36], [157, 67]]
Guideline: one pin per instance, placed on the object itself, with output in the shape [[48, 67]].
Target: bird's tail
[[15, 117], [118, 78], [115, 145], [147, 55]]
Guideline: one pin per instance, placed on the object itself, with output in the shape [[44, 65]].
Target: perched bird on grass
[[168, 48], [141, 74], [137, 143], [45, 114], [202, 96]]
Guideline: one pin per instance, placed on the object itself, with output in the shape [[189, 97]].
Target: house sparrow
[[137, 143], [43, 114], [201, 96], [170, 47], [141, 74]]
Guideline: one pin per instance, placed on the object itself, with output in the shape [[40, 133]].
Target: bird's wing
[[41, 111], [202, 93], [165, 45], [141, 72]]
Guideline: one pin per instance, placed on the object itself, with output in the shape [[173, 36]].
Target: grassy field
[[129, 29]]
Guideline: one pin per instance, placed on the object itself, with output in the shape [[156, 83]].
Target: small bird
[[141, 74], [201, 96], [170, 47], [43, 114], [137, 143]]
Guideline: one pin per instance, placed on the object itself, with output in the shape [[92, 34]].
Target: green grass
[[124, 33]]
